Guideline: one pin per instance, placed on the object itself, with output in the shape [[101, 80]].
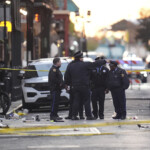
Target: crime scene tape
[[11, 69]]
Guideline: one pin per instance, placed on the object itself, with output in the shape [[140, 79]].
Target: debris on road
[[141, 126], [133, 118], [3, 125], [37, 118]]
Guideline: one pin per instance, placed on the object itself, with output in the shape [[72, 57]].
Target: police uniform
[[78, 75], [98, 78], [55, 83], [71, 105], [118, 82]]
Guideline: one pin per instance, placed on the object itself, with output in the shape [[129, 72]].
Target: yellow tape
[[26, 70], [129, 71]]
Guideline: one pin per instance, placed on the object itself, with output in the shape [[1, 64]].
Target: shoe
[[90, 118], [101, 117], [55, 118], [82, 118], [95, 117], [59, 118], [68, 117], [74, 118], [123, 117], [117, 117]]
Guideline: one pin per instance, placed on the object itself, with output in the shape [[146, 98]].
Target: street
[[105, 134]]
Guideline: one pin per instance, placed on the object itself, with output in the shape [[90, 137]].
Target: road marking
[[53, 146], [27, 129]]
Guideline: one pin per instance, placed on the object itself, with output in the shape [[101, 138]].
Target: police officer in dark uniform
[[56, 84], [78, 76], [117, 83], [71, 105], [99, 88]]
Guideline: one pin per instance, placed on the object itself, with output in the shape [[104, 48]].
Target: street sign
[[8, 25]]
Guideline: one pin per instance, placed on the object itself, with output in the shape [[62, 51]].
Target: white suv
[[35, 85]]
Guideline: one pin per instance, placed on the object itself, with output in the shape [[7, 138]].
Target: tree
[[144, 29]]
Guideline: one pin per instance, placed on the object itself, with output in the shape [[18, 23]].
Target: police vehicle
[[35, 85], [133, 64]]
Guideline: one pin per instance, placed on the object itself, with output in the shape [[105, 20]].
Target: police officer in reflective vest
[[99, 88], [55, 83], [78, 76], [117, 83]]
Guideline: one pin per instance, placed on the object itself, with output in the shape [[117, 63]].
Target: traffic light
[[37, 18]]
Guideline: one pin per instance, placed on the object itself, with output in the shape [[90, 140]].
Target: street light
[[23, 12], [83, 40], [8, 2]]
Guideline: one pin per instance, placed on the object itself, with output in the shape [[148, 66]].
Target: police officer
[[55, 83], [71, 105], [117, 83], [78, 75], [99, 88]]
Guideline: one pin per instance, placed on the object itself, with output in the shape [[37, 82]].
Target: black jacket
[[55, 79], [117, 79], [78, 72], [99, 77]]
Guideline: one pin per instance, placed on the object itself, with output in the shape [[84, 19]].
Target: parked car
[[35, 85]]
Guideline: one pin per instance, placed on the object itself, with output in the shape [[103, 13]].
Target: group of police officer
[[86, 82]]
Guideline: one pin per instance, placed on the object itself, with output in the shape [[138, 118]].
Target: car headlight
[[30, 85], [144, 73]]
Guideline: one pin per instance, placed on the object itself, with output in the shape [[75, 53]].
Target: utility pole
[[5, 36], [16, 48]]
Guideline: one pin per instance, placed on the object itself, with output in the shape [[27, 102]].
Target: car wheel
[[144, 80]]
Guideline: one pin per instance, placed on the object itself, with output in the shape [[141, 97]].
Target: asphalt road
[[133, 140]]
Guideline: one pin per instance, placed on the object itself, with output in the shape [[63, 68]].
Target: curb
[[106, 124]]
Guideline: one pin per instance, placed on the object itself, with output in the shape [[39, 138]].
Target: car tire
[[144, 80]]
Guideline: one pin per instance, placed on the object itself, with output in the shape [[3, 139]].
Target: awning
[[71, 6]]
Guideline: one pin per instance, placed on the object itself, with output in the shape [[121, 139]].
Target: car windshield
[[42, 70]]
